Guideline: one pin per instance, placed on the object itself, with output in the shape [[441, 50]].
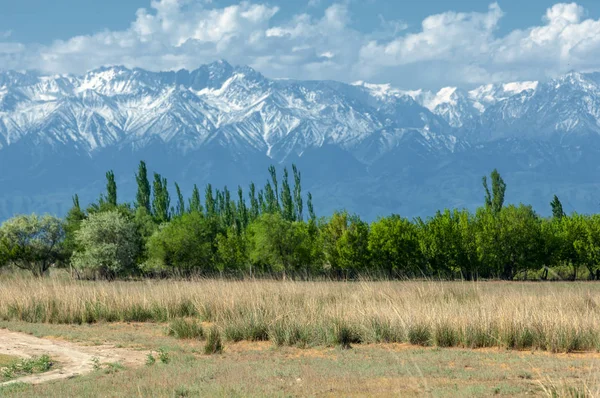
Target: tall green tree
[[311, 210], [209, 201], [161, 199], [287, 201], [242, 210], [111, 189], [142, 197], [494, 200], [254, 203], [186, 244], [299, 206], [108, 245], [32, 243], [72, 224], [195, 206], [394, 246], [180, 209], [557, 208]]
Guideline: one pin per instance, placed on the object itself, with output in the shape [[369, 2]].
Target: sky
[[409, 44]]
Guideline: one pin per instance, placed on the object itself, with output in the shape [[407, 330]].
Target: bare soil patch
[[72, 359]]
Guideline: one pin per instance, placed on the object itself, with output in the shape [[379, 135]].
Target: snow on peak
[[518, 87]]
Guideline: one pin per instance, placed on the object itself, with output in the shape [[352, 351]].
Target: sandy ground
[[71, 359]]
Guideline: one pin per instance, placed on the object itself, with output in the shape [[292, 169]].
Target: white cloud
[[448, 48]]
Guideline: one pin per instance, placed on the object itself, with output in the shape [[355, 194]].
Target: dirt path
[[73, 359]]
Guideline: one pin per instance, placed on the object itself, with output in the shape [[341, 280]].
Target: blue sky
[[410, 44]]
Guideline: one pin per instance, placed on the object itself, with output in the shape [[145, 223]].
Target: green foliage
[[32, 243], [161, 200], [27, 366], [494, 200], [181, 328], [195, 206], [265, 231], [557, 208], [163, 356], [142, 197], [394, 246], [186, 243], [180, 209], [108, 245], [214, 344], [111, 189]]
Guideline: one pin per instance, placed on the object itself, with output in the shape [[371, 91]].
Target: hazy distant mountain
[[369, 148]]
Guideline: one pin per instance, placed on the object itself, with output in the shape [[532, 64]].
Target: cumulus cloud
[[447, 48]]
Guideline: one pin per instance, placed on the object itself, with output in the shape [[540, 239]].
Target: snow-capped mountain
[[371, 148]]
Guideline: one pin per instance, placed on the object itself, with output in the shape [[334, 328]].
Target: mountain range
[[369, 148]]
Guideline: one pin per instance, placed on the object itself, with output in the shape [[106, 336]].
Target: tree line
[[273, 230]]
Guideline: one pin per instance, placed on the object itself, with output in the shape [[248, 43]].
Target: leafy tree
[[298, 194], [242, 210], [346, 243], [111, 189], [180, 209], [311, 209], [108, 245], [72, 224], [161, 200], [209, 200], [186, 244], [32, 243], [232, 252], [273, 242], [509, 242], [557, 208], [287, 201], [394, 246], [195, 206], [254, 203], [142, 197], [495, 200]]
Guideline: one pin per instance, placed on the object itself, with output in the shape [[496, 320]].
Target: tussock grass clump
[[181, 328], [214, 345], [419, 334], [344, 336], [558, 317]]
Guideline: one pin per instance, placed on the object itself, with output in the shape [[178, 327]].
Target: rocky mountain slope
[[370, 148]]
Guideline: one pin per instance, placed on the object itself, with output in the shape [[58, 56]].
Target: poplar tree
[[494, 200], [142, 198], [557, 208], [111, 189], [180, 210], [209, 201], [195, 206], [254, 203], [311, 210], [287, 201], [298, 194], [273, 174], [161, 199], [272, 206], [242, 209]]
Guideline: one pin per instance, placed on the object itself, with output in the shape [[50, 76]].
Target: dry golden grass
[[558, 317]]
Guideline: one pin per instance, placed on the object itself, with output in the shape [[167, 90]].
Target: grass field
[[286, 338]]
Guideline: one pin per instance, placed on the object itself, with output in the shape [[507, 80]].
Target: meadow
[[557, 317], [507, 338]]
